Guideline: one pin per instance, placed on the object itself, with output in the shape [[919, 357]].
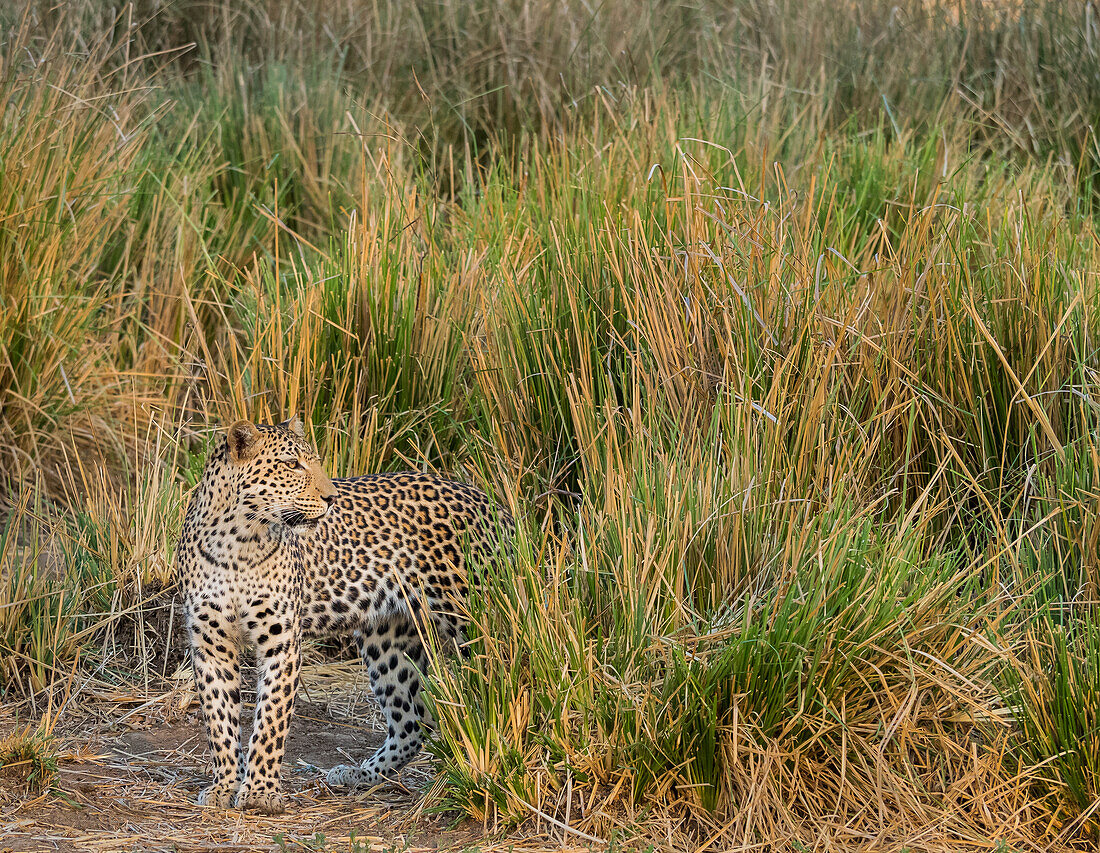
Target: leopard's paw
[[264, 802], [347, 776], [219, 795]]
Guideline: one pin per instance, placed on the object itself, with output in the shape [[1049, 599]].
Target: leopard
[[273, 551]]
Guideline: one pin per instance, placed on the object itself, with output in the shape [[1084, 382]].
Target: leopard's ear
[[244, 441], [295, 426]]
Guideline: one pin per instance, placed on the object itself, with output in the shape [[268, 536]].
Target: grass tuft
[[29, 757]]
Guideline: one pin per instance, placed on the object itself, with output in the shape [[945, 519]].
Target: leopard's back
[[394, 543]]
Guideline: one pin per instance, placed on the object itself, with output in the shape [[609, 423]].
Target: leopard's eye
[[294, 464]]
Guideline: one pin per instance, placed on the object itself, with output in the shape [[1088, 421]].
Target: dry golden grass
[[771, 322]]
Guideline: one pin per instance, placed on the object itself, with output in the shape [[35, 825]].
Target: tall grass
[[772, 323]]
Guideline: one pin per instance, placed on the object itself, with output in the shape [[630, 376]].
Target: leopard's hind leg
[[395, 658]]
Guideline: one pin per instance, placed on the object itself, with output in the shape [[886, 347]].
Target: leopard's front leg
[[275, 628], [217, 679]]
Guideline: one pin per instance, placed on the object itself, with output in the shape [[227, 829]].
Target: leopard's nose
[[330, 500]]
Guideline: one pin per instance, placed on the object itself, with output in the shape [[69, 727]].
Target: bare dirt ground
[[131, 766]]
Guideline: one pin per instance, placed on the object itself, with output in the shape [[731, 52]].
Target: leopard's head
[[278, 475]]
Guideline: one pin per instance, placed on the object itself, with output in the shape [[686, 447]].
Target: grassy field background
[[772, 321]]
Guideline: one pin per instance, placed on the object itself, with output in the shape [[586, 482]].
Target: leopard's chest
[[218, 562]]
